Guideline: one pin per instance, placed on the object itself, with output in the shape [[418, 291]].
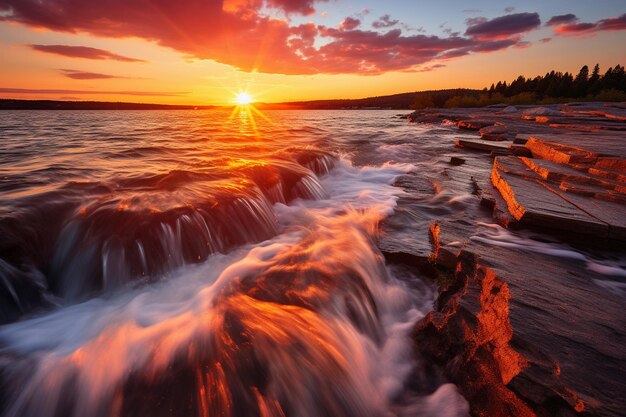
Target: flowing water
[[207, 263]]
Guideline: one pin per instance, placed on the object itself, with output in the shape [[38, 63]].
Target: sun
[[243, 99]]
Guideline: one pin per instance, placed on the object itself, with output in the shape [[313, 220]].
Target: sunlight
[[243, 99]]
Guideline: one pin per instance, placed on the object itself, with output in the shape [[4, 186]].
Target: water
[[206, 263], [174, 263]]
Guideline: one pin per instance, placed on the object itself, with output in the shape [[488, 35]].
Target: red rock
[[557, 152], [474, 124], [612, 164]]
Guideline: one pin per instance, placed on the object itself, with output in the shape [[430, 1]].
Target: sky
[[207, 51]]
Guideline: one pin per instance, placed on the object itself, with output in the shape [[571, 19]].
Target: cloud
[[82, 75], [82, 52], [240, 33], [430, 68], [304, 7], [561, 19], [471, 21], [88, 92], [385, 21], [504, 26], [609, 24], [349, 23]]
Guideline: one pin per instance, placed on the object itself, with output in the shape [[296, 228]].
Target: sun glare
[[243, 99]]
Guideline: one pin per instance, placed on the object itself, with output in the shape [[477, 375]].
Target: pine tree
[[579, 89]]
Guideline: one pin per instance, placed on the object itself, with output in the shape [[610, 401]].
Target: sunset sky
[[207, 51]]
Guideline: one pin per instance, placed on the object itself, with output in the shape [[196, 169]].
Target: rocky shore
[[526, 322]]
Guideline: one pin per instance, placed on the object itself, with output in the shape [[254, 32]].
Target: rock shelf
[[523, 332]]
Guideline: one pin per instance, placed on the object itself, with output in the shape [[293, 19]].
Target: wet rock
[[520, 150], [509, 109], [536, 205], [482, 145], [497, 133], [520, 139], [456, 161], [474, 124], [541, 111], [490, 332], [612, 164], [560, 153]]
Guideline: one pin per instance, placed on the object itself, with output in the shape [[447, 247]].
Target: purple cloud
[[609, 24], [385, 21], [562, 19], [349, 23], [82, 75], [504, 26]]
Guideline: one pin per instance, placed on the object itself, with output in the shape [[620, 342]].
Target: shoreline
[[524, 331]]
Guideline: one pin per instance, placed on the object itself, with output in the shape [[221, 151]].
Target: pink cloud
[[609, 24], [237, 33], [349, 23]]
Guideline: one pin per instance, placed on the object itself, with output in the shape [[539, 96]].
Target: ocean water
[[215, 263]]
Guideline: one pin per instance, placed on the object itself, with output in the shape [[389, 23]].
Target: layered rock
[[524, 327]]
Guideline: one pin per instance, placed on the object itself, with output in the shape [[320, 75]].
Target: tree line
[[553, 87]]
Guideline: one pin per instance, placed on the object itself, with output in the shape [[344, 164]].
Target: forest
[[553, 87]]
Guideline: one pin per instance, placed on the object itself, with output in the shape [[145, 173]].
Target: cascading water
[[238, 286]]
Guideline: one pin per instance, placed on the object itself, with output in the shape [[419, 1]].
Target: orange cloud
[[237, 33]]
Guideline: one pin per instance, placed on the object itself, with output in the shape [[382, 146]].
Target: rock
[[541, 111], [613, 175], [456, 161], [612, 164], [535, 205], [482, 145], [520, 139], [497, 334], [520, 150], [557, 152], [509, 110], [496, 133], [610, 212], [474, 124]]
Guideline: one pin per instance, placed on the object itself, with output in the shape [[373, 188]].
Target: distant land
[[551, 88], [404, 101]]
